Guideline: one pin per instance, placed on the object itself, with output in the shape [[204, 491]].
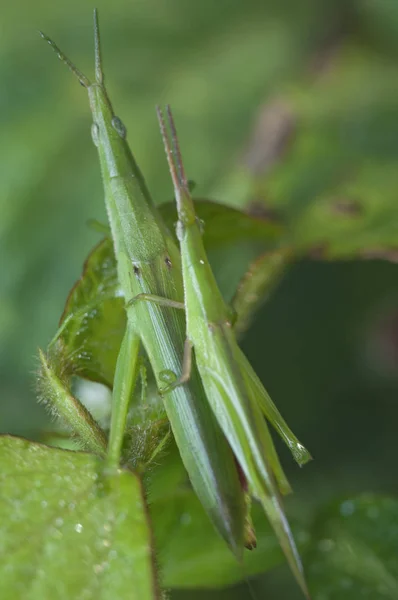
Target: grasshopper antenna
[[183, 197], [250, 587], [176, 149], [81, 77], [99, 74], [168, 149]]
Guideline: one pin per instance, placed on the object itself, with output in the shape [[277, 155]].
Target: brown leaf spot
[[273, 131], [390, 254], [347, 207]]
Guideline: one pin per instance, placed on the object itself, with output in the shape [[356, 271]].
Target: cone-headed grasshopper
[[148, 261], [233, 390]]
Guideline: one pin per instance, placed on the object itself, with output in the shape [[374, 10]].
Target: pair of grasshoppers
[[216, 404]]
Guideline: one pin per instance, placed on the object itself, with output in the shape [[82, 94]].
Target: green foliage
[[336, 186], [354, 550], [66, 531], [94, 320]]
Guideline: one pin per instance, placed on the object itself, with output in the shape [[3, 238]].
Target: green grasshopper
[[232, 388], [149, 265], [148, 261]]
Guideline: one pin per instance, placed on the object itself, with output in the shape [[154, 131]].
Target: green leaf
[[354, 550], [66, 532], [336, 186], [357, 218], [224, 225], [93, 322]]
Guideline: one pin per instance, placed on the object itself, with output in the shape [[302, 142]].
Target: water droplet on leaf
[[347, 508], [167, 376]]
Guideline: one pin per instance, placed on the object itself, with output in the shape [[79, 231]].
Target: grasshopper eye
[[119, 127], [95, 134], [136, 270], [168, 262]]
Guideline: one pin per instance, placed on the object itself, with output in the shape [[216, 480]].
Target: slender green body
[[148, 261], [226, 374]]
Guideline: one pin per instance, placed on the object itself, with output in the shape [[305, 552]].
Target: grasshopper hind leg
[[185, 372]]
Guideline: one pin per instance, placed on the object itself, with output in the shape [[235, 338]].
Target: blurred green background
[[326, 343]]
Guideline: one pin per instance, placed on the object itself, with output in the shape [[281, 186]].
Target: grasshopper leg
[[123, 386], [185, 372], [144, 382], [156, 300]]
